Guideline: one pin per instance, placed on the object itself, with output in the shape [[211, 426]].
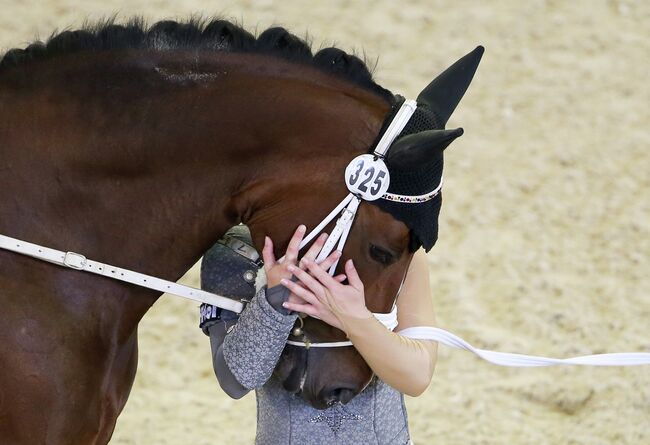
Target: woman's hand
[[325, 297], [277, 270], [280, 269]]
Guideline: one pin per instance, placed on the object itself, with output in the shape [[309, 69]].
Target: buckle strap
[[74, 260], [243, 249], [79, 262]]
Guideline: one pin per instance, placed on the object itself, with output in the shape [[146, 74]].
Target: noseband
[[389, 320]]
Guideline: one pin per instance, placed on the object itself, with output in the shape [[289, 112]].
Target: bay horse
[[139, 146]]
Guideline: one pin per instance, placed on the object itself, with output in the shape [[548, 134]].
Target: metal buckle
[[347, 215], [241, 247], [74, 260]]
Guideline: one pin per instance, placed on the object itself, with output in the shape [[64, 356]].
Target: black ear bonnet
[[421, 218], [434, 106]]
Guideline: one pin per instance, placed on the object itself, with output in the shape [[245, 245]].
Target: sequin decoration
[[407, 199], [334, 417]]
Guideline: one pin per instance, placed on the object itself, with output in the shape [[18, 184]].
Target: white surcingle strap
[[79, 262]]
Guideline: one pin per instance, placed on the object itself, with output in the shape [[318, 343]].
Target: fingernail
[[302, 227], [291, 267], [285, 304], [266, 240], [350, 262]]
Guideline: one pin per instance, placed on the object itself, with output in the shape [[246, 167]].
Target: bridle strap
[[340, 233], [326, 344], [389, 320], [333, 214], [78, 261], [414, 199], [396, 126]]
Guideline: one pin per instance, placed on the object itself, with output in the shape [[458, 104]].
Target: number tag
[[367, 177]]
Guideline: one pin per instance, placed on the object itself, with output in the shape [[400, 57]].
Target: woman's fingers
[[293, 298], [267, 253], [305, 308], [300, 291], [331, 259], [353, 276], [294, 244], [340, 278], [307, 280], [322, 276], [315, 248]]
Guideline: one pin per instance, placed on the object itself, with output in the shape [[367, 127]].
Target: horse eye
[[381, 255]]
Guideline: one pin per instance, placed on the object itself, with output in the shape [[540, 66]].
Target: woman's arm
[[218, 323], [225, 377], [405, 364], [246, 351], [246, 348]]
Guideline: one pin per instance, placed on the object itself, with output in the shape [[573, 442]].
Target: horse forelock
[[199, 34]]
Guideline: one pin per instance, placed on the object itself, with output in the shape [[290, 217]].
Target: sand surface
[[545, 232]]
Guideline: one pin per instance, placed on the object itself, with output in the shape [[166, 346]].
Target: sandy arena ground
[[545, 231]]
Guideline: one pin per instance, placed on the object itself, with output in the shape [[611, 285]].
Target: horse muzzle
[[323, 377]]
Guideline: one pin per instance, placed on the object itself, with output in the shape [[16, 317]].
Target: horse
[[140, 146]]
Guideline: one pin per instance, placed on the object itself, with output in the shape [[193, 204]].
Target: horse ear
[[444, 93], [418, 148]]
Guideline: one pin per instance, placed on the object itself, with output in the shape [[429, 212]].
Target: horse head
[[167, 136], [382, 240]]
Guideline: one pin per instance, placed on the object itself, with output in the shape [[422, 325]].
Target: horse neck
[[149, 175]]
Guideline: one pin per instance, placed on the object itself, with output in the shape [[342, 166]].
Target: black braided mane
[[196, 33]]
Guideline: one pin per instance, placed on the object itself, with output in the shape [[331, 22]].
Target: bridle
[[368, 179]]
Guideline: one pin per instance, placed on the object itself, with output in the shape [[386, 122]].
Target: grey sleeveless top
[[245, 353]]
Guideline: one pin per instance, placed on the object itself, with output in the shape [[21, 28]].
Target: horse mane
[[195, 33]]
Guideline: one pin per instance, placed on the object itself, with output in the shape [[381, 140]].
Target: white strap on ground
[[525, 361]]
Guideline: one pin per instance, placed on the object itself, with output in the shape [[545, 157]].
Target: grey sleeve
[[245, 351], [227, 381]]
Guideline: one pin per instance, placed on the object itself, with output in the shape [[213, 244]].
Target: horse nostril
[[339, 394]]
